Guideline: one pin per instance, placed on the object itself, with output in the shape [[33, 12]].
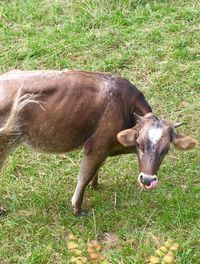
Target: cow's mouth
[[153, 185], [147, 181]]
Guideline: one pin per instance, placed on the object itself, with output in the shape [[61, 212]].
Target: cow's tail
[[12, 126]]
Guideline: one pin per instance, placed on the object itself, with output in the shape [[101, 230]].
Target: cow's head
[[152, 137]]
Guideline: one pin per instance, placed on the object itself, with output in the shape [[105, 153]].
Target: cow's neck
[[142, 107]]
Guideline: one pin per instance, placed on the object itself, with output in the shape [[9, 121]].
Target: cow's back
[[71, 105]]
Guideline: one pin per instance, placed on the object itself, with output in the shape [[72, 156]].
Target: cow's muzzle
[[147, 181]]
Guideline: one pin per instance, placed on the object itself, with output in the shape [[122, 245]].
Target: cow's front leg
[[89, 167]]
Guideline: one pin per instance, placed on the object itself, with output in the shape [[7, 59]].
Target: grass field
[[156, 45]]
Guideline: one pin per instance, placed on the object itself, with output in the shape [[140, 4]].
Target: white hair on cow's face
[[154, 134]]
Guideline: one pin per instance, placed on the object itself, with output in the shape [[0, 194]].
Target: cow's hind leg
[[7, 144], [89, 167], [94, 181]]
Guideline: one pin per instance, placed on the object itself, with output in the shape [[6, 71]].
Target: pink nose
[[148, 181]]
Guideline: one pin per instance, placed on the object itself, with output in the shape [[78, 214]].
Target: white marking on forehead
[[155, 134]]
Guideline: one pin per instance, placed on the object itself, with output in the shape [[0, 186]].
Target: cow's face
[[152, 138]]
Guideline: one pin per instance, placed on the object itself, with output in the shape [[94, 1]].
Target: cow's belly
[[49, 148], [55, 140], [59, 130], [51, 145]]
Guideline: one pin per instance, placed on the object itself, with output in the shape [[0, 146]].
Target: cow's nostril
[[148, 180], [142, 178]]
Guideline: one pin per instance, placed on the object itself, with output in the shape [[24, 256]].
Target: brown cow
[[59, 111]]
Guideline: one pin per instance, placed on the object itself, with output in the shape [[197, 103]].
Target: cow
[[56, 111]]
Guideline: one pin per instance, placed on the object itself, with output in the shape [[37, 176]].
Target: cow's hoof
[[82, 213]]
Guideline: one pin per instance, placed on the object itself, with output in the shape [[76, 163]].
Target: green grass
[[156, 45]]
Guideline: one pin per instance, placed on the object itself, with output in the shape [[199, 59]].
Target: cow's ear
[[127, 137], [183, 142]]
